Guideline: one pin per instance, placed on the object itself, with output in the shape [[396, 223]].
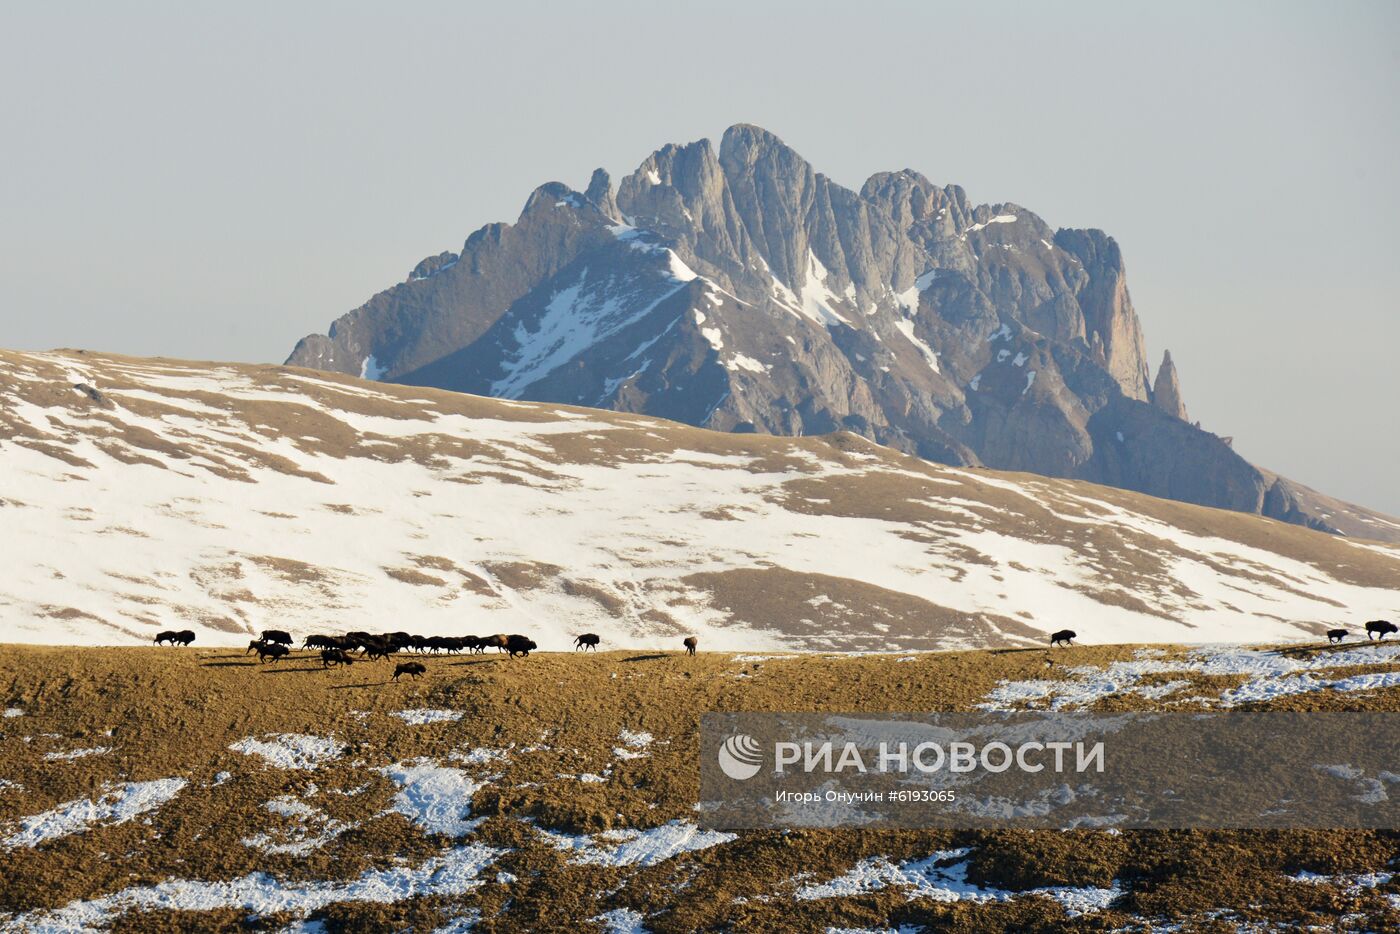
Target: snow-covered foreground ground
[[557, 793], [1268, 675], [228, 499]]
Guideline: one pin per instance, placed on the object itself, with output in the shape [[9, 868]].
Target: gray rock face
[[741, 290], [1166, 389]]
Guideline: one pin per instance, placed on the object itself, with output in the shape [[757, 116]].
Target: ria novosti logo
[[740, 757]]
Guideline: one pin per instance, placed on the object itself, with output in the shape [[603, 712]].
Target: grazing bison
[[519, 645], [1336, 635], [271, 650], [1063, 636], [331, 657], [587, 641], [1377, 628], [690, 644], [276, 636], [409, 668]]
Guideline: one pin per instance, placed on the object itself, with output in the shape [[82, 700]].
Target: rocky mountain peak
[[600, 192], [743, 290]]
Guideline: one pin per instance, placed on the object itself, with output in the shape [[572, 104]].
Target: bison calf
[[1377, 628], [409, 668], [1336, 635], [1062, 637], [588, 640], [690, 644]]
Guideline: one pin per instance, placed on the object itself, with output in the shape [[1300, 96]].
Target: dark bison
[[331, 657], [271, 650], [588, 640], [358, 640], [454, 644], [378, 648], [409, 668], [276, 636], [326, 642], [690, 644], [520, 645], [448, 644], [1337, 635], [1377, 628], [1063, 636], [183, 637]]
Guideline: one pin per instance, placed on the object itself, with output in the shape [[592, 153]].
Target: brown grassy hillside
[[528, 730]]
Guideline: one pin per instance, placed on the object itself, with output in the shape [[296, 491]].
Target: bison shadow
[[364, 684], [227, 664], [647, 658]]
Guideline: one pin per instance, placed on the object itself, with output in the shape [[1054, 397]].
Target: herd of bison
[[338, 650]]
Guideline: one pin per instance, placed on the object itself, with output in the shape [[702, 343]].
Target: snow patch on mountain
[[582, 314], [999, 219], [370, 369]]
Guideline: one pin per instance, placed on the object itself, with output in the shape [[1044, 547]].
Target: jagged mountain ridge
[[741, 290], [141, 495]]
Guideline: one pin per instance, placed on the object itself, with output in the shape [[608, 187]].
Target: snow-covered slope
[[139, 495]]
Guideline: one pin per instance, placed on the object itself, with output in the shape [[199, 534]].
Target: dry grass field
[[148, 789]]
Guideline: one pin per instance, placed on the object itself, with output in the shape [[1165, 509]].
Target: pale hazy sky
[[215, 181]]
